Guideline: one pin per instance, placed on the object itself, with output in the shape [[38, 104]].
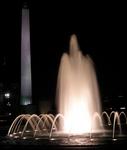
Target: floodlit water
[[77, 91]]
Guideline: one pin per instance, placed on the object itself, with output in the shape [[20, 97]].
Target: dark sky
[[101, 32]]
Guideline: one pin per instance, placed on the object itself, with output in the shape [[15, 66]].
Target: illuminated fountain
[[79, 111], [77, 91], [27, 126]]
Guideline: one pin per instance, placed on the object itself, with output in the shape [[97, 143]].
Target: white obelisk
[[26, 87]]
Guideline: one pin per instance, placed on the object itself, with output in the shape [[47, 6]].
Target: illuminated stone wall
[[26, 93]]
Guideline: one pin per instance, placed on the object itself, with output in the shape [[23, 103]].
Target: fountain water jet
[[77, 91]]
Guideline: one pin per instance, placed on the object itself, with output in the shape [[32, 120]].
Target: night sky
[[101, 32]]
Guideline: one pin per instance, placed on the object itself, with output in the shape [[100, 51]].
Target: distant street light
[[7, 95]]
